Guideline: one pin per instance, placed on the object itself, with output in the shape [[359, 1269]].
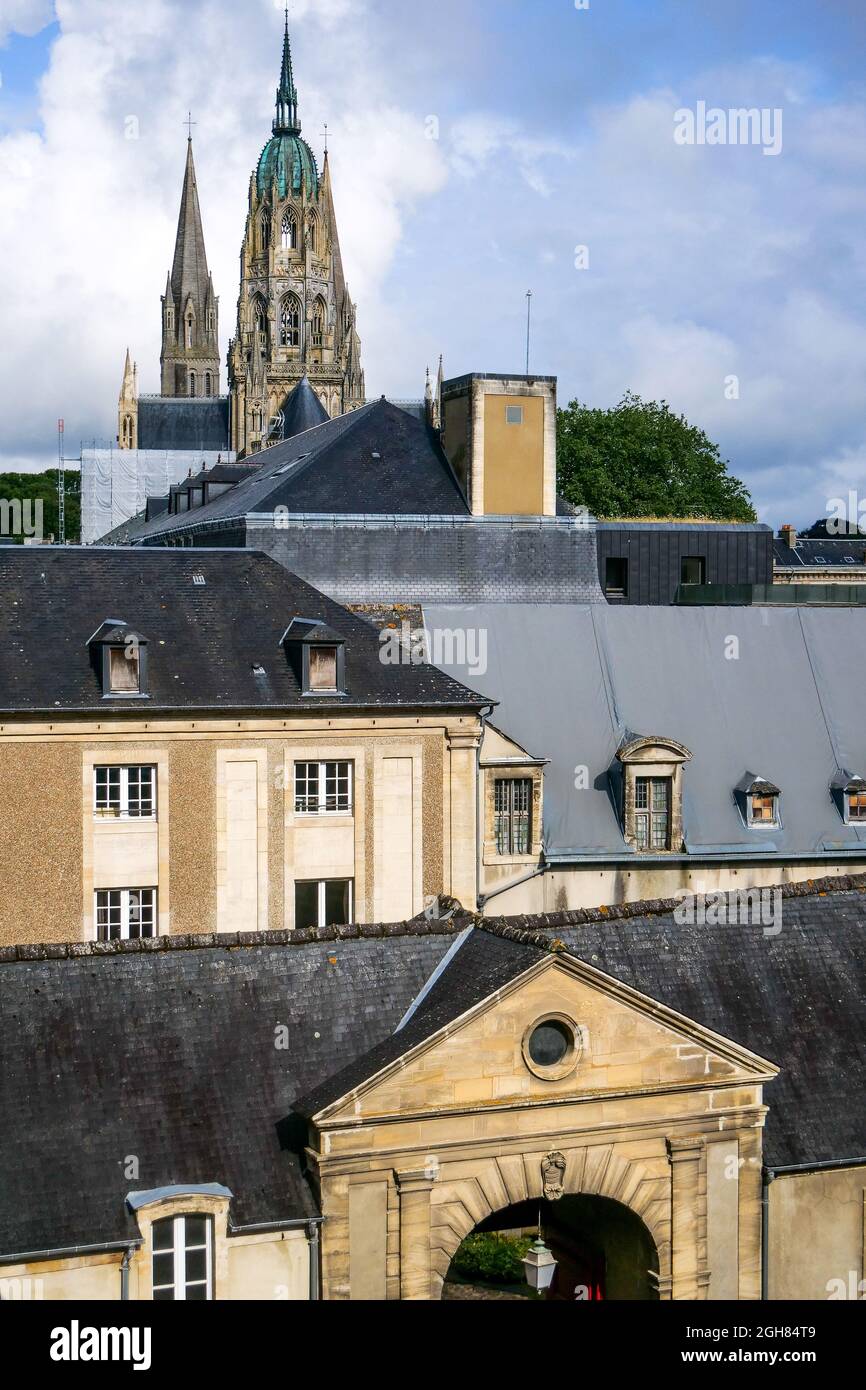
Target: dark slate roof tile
[[203, 639]]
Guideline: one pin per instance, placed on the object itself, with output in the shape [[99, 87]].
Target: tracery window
[[290, 322], [289, 232]]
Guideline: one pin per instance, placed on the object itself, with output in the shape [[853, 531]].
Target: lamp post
[[539, 1264]]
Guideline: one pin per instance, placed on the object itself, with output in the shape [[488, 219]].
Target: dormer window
[[120, 658], [848, 791], [318, 657], [758, 801], [124, 670], [651, 793], [763, 809], [323, 668]]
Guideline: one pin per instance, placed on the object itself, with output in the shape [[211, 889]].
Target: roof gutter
[[70, 1252], [768, 1176]]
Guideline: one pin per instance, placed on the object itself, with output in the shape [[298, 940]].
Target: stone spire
[[286, 119], [190, 309], [127, 406], [189, 272]]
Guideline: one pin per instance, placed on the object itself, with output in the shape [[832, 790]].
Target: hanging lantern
[[539, 1265]]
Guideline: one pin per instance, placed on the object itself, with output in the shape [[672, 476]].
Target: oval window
[[550, 1043]]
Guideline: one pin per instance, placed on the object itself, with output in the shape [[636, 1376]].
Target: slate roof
[[822, 553], [376, 460], [165, 1049], [302, 410], [169, 1054], [795, 998], [788, 705], [168, 422], [204, 639]]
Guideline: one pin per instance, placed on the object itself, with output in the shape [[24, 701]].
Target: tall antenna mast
[[528, 326], [61, 486]]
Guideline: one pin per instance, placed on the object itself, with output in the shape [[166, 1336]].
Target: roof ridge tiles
[[531, 930]]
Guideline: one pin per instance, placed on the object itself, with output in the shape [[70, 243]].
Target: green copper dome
[[287, 157]]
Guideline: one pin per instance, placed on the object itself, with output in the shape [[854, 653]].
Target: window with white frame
[[182, 1259], [323, 789], [324, 903], [125, 914], [127, 792]]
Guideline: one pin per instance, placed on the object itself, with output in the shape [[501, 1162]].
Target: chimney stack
[[789, 535]]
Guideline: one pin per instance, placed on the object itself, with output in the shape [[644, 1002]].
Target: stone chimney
[[789, 535]]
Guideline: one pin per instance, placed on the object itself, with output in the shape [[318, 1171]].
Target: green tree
[[641, 460], [41, 487]]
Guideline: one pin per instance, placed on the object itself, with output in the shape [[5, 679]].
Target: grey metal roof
[[572, 681]]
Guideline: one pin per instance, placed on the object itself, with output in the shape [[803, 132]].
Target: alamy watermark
[[21, 518], [739, 125], [742, 907], [462, 647]]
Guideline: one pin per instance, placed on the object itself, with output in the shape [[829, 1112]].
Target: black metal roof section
[[301, 410], [374, 461], [177, 422], [211, 617]]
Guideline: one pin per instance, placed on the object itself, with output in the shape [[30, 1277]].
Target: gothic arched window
[[319, 313], [313, 234], [260, 316], [266, 230], [192, 383], [189, 332], [208, 384], [290, 232], [290, 322]]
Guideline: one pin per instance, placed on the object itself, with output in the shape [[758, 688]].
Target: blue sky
[[706, 265]]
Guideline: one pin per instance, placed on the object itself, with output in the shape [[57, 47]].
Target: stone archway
[[463, 1201], [604, 1251]]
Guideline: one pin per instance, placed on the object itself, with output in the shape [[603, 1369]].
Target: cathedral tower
[[190, 358], [295, 316]]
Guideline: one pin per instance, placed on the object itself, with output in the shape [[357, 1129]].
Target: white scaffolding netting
[[116, 483]]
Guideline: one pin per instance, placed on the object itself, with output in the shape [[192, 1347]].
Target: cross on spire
[[189, 123], [325, 133]]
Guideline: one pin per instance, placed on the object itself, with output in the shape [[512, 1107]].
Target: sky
[[479, 149]]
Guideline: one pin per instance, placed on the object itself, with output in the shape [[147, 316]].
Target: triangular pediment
[[624, 1044]]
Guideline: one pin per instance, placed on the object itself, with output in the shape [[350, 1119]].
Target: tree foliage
[[639, 459]]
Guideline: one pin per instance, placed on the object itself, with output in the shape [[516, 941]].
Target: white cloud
[[24, 17], [88, 214]]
